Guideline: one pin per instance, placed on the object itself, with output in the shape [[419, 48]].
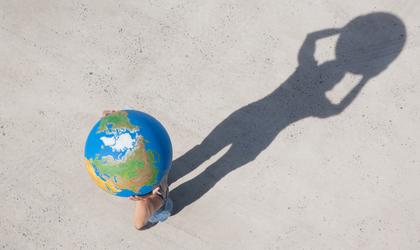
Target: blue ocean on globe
[[128, 152]]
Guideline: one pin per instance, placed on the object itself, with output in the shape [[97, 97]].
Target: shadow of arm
[[306, 52], [335, 109]]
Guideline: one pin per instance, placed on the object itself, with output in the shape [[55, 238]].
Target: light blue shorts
[[163, 213]]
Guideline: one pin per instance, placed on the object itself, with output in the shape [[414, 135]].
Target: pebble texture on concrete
[[284, 137]]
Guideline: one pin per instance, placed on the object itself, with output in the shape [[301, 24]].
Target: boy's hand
[[143, 198], [136, 198], [156, 191]]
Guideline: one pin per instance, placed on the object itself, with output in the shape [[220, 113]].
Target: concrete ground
[[280, 168]]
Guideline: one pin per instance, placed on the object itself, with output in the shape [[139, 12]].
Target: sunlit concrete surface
[[279, 142]]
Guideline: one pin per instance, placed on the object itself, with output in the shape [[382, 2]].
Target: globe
[[128, 152]]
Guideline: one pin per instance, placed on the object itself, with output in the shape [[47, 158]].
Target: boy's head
[[369, 43]]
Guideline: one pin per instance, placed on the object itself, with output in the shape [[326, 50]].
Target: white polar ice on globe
[[120, 142]]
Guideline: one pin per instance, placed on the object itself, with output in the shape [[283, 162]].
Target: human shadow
[[365, 46]]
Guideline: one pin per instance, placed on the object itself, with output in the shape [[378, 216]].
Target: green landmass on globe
[[117, 120]]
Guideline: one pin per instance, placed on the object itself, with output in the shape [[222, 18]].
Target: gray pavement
[[295, 124]]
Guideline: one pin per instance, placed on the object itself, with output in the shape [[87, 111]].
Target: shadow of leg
[[192, 190], [186, 163]]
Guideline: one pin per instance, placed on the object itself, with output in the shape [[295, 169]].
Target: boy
[[153, 207]]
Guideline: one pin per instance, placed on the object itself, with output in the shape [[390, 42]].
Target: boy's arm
[[145, 207]]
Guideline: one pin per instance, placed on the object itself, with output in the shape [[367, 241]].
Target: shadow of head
[[369, 43]]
